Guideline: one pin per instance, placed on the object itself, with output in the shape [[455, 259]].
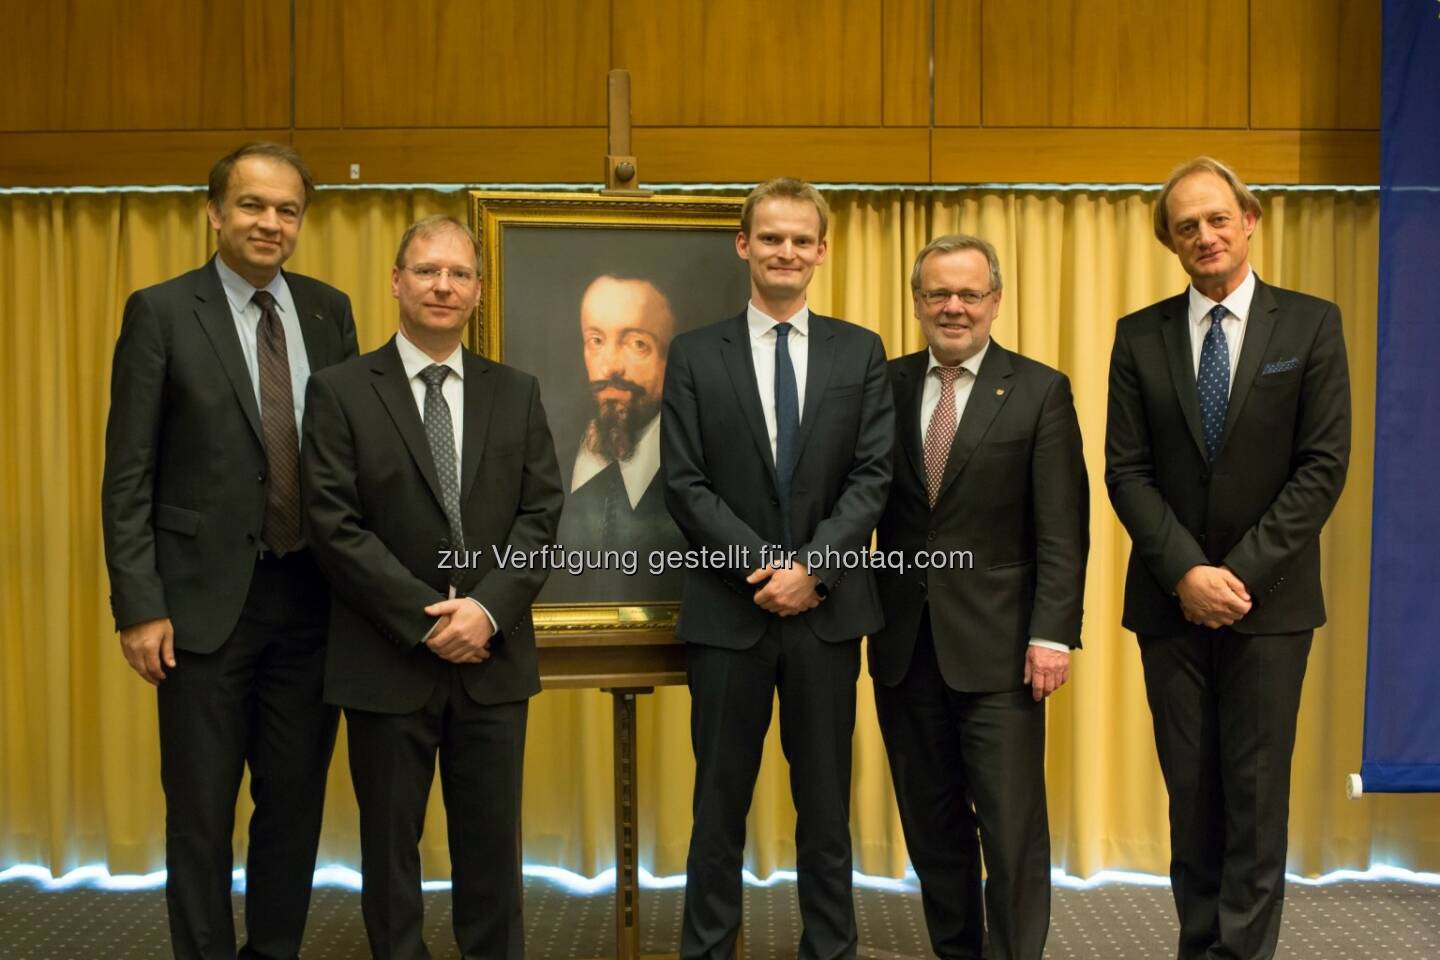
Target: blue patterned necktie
[[439, 430], [1213, 382], [787, 425]]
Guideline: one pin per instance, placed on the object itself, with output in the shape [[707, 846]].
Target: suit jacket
[[1014, 494], [720, 475], [375, 521], [1258, 508], [183, 495]]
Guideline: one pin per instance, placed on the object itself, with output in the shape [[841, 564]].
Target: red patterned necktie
[[281, 530], [941, 432]]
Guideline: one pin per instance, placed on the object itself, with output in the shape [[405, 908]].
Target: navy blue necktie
[[787, 425], [1213, 382]]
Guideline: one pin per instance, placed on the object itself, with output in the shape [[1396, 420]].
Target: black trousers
[[257, 701], [732, 692], [392, 764], [969, 772], [1225, 706]]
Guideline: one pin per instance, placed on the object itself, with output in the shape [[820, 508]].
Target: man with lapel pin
[[989, 478], [215, 593], [430, 487], [1226, 448], [775, 443]]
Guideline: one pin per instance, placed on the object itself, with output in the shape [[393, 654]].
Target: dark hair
[[220, 173]]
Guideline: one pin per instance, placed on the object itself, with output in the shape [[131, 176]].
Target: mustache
[[618, 382]]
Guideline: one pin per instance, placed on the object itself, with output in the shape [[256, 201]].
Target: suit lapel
[[479, 393], [395, 393], [910, 380], [819, 363], [312, 322], [1175, 328], [212, 309], [1258, 328], [987, 396], [740, 365]]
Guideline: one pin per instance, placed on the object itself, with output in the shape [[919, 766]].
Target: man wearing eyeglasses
[[428, 472], [990, 508]]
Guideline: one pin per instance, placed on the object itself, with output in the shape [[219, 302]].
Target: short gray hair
[[950, 243]]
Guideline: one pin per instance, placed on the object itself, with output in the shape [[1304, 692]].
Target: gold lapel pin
[[999, 391]]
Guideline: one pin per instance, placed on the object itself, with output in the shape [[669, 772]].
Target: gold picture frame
[[539, 253]]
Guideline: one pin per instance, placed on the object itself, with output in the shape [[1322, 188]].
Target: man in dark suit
[[775, 437], [216, 597], [989, 510], [614, 501], [430, 486], [1226, 448]]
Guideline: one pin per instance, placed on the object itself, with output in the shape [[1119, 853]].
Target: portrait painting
[[586, 292]]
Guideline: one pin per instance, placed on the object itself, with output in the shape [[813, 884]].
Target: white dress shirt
[[1237, 307], [637, 472], [762, 351], [964, 385], [414, 360], [239, 294]]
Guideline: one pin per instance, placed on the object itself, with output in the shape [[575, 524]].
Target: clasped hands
[[462, 633], [788, 590], [1212, 596]]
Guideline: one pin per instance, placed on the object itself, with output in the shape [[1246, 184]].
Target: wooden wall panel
[[751, 62], [473, 63], [731, 154], [1315, 64], [1049, 155], [504, 155], [146, 65], [905, 63], [319, 63], [103, 158], [1116, 63], [957, 62]]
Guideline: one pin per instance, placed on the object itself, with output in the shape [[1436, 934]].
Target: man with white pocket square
[[1226, 448]]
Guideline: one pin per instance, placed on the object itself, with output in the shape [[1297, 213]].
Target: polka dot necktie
[[940, 434], [281, 524], [440, 431], [1213, 382]]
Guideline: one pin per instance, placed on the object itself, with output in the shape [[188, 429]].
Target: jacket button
[[1204, 476], [260, 477], [1200, 537], [249, 538], [930, 535], [774, 501]]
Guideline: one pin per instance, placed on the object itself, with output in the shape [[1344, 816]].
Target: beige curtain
[[79, 762]]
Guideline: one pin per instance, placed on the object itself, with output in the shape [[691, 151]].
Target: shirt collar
[[240, 292], [972, 365], [1238, 303], [414, 359], [637, 472], [761, 323]]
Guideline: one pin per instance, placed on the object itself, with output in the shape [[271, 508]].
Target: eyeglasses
[[429, 274], [938, 298]]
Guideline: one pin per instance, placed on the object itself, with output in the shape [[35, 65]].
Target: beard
[[615, 430]]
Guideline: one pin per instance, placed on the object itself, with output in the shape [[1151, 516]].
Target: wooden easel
[[621, 171]]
